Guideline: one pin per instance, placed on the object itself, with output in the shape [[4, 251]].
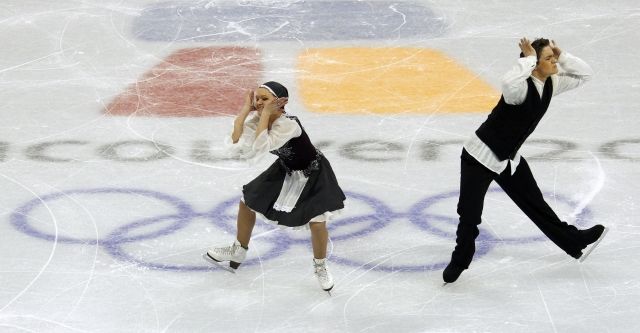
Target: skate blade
[[328, 290], [219, 264], [594, 245]]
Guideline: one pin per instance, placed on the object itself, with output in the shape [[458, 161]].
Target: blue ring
[[20, 217]]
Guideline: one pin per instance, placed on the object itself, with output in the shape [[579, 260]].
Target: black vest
[[508, 126], [298, 153]]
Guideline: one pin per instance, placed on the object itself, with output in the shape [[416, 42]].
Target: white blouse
[[249, 146]]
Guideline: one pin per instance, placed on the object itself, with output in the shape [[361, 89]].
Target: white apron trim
[[290, 192]]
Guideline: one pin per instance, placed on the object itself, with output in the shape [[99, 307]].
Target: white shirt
[[573, 72], [249, 146]]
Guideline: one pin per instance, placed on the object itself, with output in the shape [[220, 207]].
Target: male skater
[[492, 153]]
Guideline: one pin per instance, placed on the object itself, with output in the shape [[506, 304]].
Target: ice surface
[[105, 217]]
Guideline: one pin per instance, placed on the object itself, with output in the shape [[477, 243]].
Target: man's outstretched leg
[[522, 188]]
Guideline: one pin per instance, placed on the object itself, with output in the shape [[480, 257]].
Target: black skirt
[[321, 194]]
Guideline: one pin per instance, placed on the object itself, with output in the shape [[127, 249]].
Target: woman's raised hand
[[274, 105], [249, 104]]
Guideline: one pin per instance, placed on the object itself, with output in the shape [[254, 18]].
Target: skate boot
[[234, 254], [322, 273], [592, 237], [452, 272]]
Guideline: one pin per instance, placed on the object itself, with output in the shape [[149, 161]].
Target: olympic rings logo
[[181, 214]]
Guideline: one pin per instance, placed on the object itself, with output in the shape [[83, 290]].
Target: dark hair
[[538, 45]]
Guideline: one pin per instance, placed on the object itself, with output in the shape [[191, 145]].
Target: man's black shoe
[[452, 272], [592, 237]]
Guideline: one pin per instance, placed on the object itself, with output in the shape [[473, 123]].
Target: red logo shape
[[193, 82]]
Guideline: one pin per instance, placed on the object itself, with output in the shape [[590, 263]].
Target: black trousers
[[522, 188]]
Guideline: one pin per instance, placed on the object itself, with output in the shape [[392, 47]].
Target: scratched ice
[[114, 178]]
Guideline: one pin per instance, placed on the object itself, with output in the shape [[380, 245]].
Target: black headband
[[276, 89]]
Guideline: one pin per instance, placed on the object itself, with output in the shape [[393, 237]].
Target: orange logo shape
[[193, 82], [389, 80]]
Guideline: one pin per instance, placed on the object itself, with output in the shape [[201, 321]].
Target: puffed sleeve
[[574, 73], [282, 130], [244, 147], [514, 82]]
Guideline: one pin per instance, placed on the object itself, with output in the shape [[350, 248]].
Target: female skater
[[299, 190]]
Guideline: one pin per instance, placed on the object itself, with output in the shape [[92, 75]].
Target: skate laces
[[227, 250], [321, 270]]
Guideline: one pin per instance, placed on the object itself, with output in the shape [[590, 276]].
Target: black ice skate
[[593, 237], [451, 273]]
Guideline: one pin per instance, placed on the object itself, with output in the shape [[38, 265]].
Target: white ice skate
[[234, 254], [322, 273]]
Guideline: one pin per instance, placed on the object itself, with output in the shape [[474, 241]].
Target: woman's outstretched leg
[[245, 223], [237, 252]]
